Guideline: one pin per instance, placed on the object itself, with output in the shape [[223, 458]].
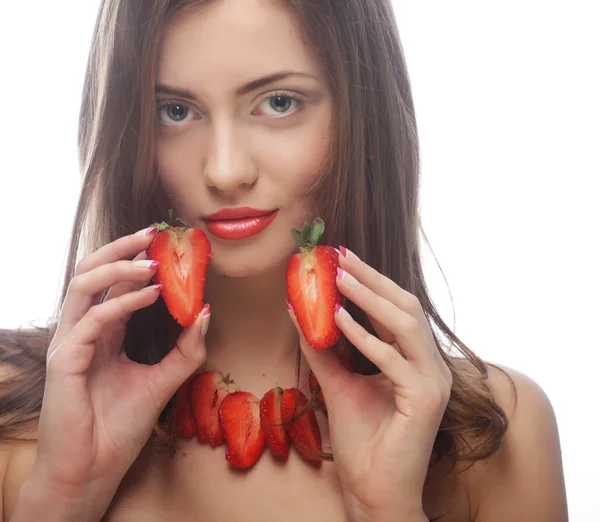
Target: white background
[[507, 99]]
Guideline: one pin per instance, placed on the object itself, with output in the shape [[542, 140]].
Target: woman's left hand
[[382, 427]]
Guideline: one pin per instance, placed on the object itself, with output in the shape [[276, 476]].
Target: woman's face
[[245, 120]]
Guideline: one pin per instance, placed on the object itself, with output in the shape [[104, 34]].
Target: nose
[[228, 166]]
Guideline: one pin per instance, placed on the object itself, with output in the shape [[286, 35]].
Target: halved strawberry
[[304, 431], [270, 422], [343, 354], [185, 423], [184, 254], [239, 416], [207, 392], [311, 287]]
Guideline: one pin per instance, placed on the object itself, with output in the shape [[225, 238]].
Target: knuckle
[[413, 304], [411, 325], [77, 284]]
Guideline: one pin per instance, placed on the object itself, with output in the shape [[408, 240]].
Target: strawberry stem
[[308, 238]]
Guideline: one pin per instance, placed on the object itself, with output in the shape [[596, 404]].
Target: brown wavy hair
[[371, 193]]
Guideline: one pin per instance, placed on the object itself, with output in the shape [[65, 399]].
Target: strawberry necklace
[[209, 404]]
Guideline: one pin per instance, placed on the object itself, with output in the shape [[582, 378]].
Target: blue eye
[[170, 113], [280, 105]]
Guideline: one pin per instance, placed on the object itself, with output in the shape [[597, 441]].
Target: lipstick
[[239, 223]]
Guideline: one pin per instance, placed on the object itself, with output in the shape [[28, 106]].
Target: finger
[[123, 248], [123, 287], [325, 364], [183, 360], [389, 290], [84, 288], [391, 363], [406, 330], [76, 351]]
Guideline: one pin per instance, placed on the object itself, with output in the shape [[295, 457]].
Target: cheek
[[298, 157], [176, 157]]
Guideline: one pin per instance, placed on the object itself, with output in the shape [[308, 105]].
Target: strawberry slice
[[239, 416], [185, 424], [278, 440], [184, 254], [207, 392], [312, 289], [304, 431]]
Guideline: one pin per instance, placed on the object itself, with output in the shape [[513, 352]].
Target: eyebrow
[[162, 88]]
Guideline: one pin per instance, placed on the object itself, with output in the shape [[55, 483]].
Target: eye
[[280, 105], [172, 113]]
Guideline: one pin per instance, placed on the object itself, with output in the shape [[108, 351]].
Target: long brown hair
[[372, 193]]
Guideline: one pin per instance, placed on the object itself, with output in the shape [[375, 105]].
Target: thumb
[[184, 359], [325, 364]]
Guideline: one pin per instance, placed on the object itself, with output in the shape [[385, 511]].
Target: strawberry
[[304, 431], [207, 392], [184, 418], [312, 289], [239, 416], [343, 354], [270, 422], [184, 254]]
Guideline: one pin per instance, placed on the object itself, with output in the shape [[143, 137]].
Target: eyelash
[[300, 100]]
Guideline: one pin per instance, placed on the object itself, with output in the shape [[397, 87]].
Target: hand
[[99, 407], [382, 427]]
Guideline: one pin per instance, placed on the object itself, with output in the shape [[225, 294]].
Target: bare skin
[[198, 483], [233, 149]]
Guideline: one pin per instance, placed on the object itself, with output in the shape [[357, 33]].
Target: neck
[[249, 327]]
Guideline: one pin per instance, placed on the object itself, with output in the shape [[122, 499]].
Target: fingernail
[[158, 287], [146, 231], [348, 254], [346, 277], [289, 306], [338, 308], [146, 263], [205, 319]]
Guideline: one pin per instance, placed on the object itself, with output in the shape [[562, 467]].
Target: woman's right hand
[[99, 407]]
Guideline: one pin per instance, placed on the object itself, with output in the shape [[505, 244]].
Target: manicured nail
[[289, 306], [146, 263], [157, 287], [338, 308], [344, 251], [205, 319], [152, 288], [346, 277], [146, 231]]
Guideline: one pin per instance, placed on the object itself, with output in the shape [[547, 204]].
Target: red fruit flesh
[[207, 392], [304, 431], [239, 416], [313, 294], [277, 439], [184, 418], [184, 254]]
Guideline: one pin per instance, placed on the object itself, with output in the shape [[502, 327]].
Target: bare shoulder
[[16, 458], [524, 479]]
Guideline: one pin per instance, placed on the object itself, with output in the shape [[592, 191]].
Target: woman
[[295, 109]]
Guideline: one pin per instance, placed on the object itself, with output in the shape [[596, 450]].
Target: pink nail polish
[[158, 287], [288, 306], [340, 273], [154, 264], [338, 308], [344, 251], [150, 231], [206, 312]]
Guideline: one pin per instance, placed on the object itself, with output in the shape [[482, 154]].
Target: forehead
[[232, 41]]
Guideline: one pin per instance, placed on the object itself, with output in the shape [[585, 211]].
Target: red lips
[[239, 223]]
